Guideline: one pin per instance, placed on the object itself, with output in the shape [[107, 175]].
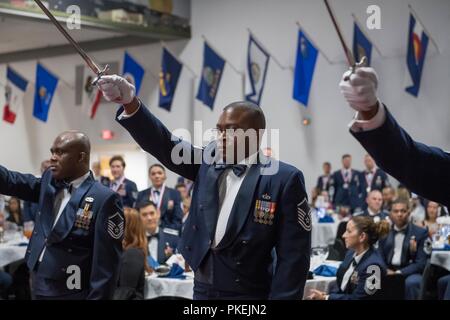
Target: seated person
[[354, 277], [374, 209], [417, 210], [162, 242], [167, 200], [389, 194], [134, 259], [430, 221], [15, 211], [404, 250]]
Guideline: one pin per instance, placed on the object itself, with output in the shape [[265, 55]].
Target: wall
[[224, 24]]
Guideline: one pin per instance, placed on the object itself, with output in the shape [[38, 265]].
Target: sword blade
[[92, 65], [348, 53]]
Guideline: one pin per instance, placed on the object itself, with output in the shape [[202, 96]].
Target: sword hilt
[[100, 74], [362, 63]]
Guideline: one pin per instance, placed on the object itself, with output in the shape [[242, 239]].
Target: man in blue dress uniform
[[75, 249], [244, 204]]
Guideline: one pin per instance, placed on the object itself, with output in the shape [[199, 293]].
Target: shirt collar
[[400, 229], [77, 182], [359, 256]]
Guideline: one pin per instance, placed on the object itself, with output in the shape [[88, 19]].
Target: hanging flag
[[92, 96], [257, 65], [133, 71], [168, 79], [45, 89], [304, 68], [213, 66], [361, 45], [15, 88], [415, 58]]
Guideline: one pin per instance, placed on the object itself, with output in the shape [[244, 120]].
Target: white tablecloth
[[166, 287], [11, 251], [323, 234], [441, 259]]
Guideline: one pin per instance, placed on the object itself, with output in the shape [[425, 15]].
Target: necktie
[[238, 169], [60, 186], [348, 274]]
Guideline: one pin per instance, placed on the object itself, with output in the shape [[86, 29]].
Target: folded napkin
[[176, 272], [325, 271], [326, 219], [152, 262]]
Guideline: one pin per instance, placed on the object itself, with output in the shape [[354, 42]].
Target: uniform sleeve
[[23, 186], [109, 231], [151, 135], [293, 241], [421, 168], [133, 194]]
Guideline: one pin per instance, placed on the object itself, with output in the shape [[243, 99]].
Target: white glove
[[116, 89], [360, 90]]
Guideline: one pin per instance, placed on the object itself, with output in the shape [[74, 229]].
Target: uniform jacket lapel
[[68, 216]]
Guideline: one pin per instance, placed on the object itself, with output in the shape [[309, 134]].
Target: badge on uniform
[[304, 215], [84, 215], [264, 210], [116, 225], [170, 204]]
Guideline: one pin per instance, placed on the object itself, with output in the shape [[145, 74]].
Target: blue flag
[[168, 79], [133, 71], [257, 65], [304, 68], [415, 58], [213, 66], [45, 89], [361, 45]]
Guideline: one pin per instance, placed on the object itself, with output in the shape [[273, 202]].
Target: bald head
[[70, 155], [251, 115], [242, 125]]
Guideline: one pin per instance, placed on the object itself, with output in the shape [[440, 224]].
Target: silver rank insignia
[[264, 211], [116, 225], [304, 215]]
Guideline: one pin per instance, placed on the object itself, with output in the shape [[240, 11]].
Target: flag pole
[[414, 13], [164, 45], [366, 35], [314, 44], [265, 49], [226, 61]]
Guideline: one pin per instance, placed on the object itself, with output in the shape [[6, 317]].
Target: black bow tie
[[155, 235], [354, 263], [61, 185], [400, 231], [238, 169]]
